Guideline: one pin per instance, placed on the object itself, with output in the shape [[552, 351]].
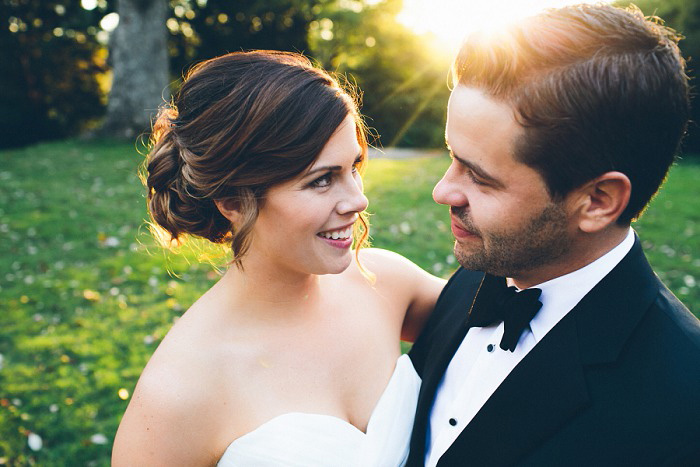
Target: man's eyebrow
[[478, 170]]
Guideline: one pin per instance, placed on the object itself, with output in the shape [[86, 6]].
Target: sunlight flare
[[450, 21]]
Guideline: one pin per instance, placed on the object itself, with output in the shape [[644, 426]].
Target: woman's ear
[[229, 208], [602, 201]]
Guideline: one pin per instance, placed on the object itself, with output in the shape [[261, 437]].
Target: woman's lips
[[342, 243]]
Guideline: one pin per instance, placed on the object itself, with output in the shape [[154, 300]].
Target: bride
[[293, 357]]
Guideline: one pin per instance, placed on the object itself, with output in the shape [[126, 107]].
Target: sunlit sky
[[451, 20]]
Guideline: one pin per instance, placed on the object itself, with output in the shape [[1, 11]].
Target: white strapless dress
[[311, 440]]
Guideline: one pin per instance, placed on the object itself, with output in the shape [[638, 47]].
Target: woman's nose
[[354, 199]]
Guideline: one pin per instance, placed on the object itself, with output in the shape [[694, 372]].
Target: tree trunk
[[139, 56]]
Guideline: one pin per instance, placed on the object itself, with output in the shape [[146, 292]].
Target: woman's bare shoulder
[[387, 265], [406, 284], [176, 406]]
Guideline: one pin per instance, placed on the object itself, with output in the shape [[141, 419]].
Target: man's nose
[[449, 191]]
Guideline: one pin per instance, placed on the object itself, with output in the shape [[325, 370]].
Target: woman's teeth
[[337, 234]]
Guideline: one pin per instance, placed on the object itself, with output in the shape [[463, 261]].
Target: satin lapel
[[539, 395], [451, 331]]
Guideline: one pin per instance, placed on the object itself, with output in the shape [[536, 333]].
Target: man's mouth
[[459, 229]]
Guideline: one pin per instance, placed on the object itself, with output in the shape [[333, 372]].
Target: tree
[[139, 57], [50, 69]]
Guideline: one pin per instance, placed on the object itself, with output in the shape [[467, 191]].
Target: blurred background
[[101, 67], [86, 295]]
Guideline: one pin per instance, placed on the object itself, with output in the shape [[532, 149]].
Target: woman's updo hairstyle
[[239, 124]]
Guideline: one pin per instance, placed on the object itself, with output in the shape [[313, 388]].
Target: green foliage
[[200, 30], [86, 295], [56, 71], [404, 82], [50, 63]]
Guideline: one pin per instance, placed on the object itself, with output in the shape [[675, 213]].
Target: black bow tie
[[496, 302]]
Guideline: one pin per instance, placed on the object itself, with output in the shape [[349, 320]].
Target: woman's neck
[[262, 285]]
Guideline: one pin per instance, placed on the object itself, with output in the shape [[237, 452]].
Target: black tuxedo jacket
[[615, 382]]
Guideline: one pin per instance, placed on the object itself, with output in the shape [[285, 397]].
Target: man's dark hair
[[597, 89]]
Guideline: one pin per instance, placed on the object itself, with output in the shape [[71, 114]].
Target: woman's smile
[[339, 238]]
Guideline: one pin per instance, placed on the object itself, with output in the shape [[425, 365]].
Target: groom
[[560, 130]]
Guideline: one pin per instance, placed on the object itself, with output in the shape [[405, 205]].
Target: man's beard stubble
[[518, 250]]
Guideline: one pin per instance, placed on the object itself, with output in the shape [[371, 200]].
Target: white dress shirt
[[479, 366]]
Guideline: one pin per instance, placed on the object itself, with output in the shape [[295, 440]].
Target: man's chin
[[471, 260]]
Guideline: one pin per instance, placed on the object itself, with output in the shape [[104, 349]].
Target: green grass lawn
[[85, 295]]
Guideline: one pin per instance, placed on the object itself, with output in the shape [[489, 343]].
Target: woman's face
[[305, 224]]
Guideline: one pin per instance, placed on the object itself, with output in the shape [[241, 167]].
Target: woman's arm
[[406, 282]]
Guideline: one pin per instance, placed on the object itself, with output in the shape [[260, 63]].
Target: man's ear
[[601, 201], [229, 208]]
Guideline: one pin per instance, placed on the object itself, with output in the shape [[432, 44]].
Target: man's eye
[[473, 178], [322, 181]]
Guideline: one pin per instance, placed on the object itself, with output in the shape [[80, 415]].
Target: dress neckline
[[303, 439], [333, 418]]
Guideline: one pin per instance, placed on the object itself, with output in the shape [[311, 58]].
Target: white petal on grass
[[35, 442], [668, 251], [111, 242], [98, 438], [689, 280]]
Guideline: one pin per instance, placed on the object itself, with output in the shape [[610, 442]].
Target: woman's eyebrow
[[330, 168]]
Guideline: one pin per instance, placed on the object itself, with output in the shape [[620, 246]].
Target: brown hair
[[239, 124], [596, 88]]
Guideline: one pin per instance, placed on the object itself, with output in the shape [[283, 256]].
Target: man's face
[[503, 219]]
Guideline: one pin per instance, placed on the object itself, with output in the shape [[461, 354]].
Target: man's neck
[[585, 250]]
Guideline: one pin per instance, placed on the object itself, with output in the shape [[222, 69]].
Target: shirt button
[[453, 422], [489, 348]]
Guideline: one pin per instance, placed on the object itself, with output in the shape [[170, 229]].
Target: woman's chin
[[337, 265]]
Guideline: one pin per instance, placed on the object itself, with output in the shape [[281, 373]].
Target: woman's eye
[[356, 165], [322, 181]]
